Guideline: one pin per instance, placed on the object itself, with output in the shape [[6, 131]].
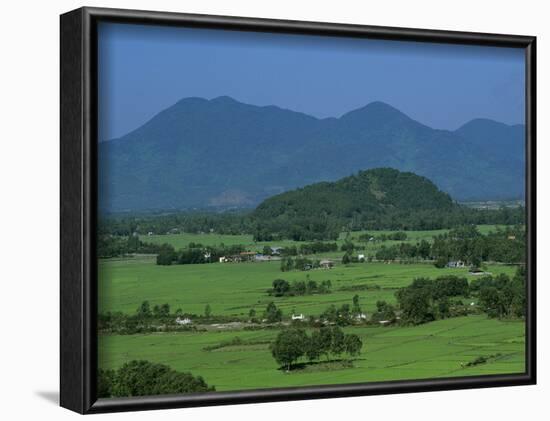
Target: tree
[[346, 259], [356, 307], [325, 341], [352, 345], [289, 346], [287, 264], [105, 383], [144, 310], [165, 310], [415, 304], [139, 378], [272, 313], [207, 310], [280, 287], [337, 345], [166, 255], [314, 346], [132, 243]]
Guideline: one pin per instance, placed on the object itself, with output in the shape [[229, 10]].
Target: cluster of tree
[[463, 243], [148, 318], [466, 243], [420, 250], [229, 222], [196, 254], [292, 344], [426, 300], [282, 288], [114, 246], [501, 296], [272, 314], [143, 378], [384, 311], [343, 315], [298, 263]]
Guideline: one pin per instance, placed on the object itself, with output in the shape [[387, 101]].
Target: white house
[[326, 264], [457, 264], [276, 250], [300, 317], [184, 321], [361, 256], [361, 316]]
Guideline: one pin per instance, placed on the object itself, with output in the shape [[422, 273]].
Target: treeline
[[426, 300], [502, 296], [466, 243], [144, 378], [148, 318], [196, 254], [309, 228], [463, 243], [315, 226], [113, 246], [282, 288], [196, 222], [292, 344]]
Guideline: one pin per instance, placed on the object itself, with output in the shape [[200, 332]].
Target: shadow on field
[[321, 366], [51, 396]]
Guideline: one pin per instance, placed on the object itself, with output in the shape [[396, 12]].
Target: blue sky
[[145, 69]]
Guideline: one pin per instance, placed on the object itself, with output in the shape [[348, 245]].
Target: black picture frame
[[78, 339]]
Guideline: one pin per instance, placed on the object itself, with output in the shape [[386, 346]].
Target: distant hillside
[[221, 153], [381, 197]]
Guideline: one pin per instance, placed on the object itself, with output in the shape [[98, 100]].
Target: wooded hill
[[381, 198]]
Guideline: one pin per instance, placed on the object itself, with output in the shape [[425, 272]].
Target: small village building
[[361, 316], [361, 257], [299, 317], [384, 322], [247, 255], [457, 264], [326, 264], [276, 251], [183, 321]]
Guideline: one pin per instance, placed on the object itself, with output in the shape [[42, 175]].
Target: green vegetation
[[292, 344], [372, 199], [282, 288], [390, 319], [431, 350], [142, 378]]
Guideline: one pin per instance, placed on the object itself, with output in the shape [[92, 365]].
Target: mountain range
[[222, 154]]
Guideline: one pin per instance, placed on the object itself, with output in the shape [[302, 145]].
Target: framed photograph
[[258, 210]]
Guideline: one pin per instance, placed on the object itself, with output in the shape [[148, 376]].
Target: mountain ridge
[[224, 153]]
